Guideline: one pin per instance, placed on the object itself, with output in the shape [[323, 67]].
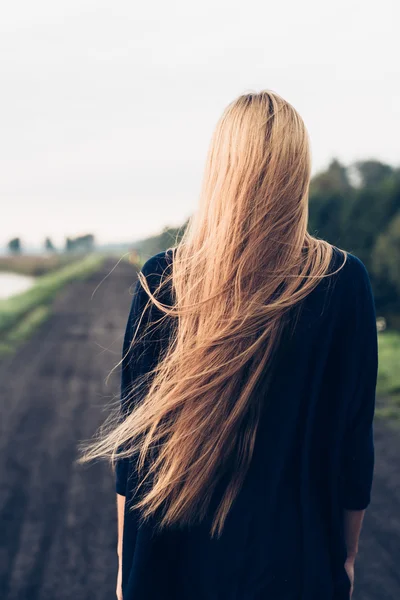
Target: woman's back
[[313, 457], [248, 386]]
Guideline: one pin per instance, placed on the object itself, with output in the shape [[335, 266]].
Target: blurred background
[[106, 113]]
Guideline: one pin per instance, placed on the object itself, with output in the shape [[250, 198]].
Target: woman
[[244, 452]]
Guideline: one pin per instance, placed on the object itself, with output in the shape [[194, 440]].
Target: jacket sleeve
[[129, 357], [358, 447], [140, 358]]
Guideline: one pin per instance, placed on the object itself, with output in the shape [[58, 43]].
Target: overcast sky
[[107, 108]]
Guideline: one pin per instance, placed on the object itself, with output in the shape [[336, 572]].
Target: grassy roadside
[[388, 388], [36, 266], [22, 313]]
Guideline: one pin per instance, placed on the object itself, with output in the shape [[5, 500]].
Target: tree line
[[355, 207], [358, 208], [81, 243]]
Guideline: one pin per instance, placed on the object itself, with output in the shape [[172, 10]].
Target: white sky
[[107, 107]]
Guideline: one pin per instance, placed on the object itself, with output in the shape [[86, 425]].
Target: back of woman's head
[[244, 261], [257, 174]]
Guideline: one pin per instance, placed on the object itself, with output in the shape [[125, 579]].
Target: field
[[36, 265], [57, 518]]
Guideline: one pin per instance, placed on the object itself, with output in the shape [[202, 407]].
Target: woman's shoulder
[[341, 294], [345, 285], [349, 270], [351, 295], [156, 271], [158, 263]]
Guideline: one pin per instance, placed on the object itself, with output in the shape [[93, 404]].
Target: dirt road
[[57, 519]]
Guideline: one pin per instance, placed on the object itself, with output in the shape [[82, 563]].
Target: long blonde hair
[[245, 260]]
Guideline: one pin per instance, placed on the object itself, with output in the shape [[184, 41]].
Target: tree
[[373, 208], [169, 236], [331, 196], [14, 245], [386, 257], [49, 246], [372, 172], [334, 180], [82, 243]]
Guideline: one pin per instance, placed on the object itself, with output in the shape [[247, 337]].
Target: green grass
[[388, 387], [23, 329], [22, 313], [389, 363]]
